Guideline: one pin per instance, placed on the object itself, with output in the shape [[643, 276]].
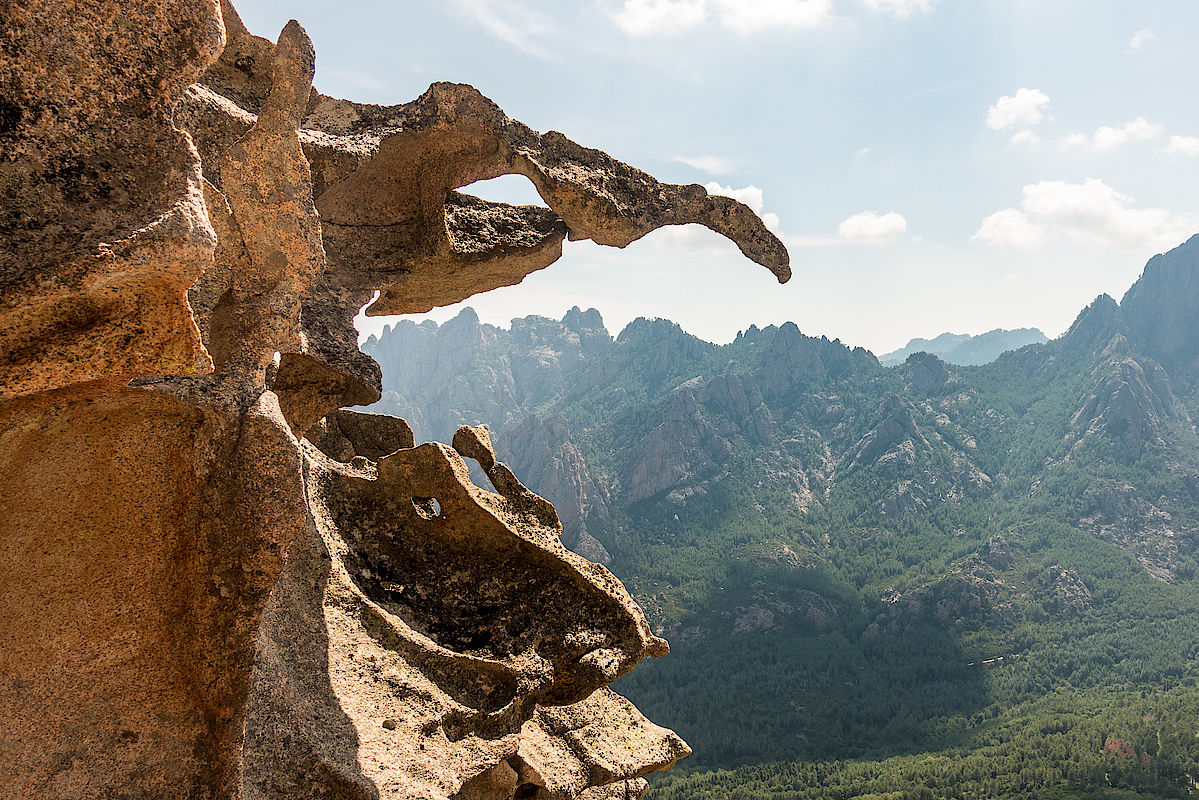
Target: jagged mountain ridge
[[542, 379], [784, 485], [668, 408], [966, 350]]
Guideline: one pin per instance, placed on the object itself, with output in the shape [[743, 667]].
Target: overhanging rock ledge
[[218, 582]]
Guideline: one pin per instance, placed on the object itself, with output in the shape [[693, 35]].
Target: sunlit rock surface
[[217, 582]]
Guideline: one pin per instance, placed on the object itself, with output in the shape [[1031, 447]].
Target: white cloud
[[899, 8], [1183, 146], [1077, 140], [717, 165], [1009, 229], [1140, 39], [653, 17], [1139, 130], [1025, 109], [750, 195], [513, 22], [863, 152], [647, 17], [751, 16], [1089, 211], [871, 228], [1025, 137]]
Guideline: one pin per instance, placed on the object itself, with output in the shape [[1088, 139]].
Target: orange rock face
[[217, 583]]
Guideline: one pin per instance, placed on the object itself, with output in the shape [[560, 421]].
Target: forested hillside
[[920, 581]]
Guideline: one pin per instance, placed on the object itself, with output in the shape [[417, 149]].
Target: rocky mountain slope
[[964, 349], [834, 546]]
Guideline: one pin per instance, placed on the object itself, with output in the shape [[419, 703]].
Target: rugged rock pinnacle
[[217, 582]]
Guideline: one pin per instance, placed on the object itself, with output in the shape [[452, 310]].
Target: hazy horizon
[[373, 326], [443, 315]]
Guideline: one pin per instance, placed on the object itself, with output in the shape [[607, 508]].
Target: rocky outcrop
[[1129, 403], [1115, 513], [792, 362], [962, 599], [1063, 590], [919, 464], [218, 584], [682, 445], [926, 375], [103, 224]]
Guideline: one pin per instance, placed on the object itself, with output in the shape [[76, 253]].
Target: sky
[[932, 165]]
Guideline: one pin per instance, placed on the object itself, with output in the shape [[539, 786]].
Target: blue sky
[[933, 165]]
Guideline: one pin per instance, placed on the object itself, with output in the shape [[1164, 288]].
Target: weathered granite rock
[[102, 218], [217, 583]]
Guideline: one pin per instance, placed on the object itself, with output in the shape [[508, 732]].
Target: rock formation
[[217, 584]]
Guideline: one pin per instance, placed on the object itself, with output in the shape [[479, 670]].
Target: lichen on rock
[[220, 582]]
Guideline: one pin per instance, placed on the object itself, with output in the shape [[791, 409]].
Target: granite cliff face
[[217, 584], [1159, 309]]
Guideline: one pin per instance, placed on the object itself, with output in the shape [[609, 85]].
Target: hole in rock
[[427, 507], [515, 190]]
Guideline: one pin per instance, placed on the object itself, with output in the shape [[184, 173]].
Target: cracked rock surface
[[219, 582]]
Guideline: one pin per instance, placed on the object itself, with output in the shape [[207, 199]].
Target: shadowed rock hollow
[[217, 583]]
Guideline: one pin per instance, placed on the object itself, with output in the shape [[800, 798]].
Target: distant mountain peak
[[966, 350], [1097, 324], [576, 319]]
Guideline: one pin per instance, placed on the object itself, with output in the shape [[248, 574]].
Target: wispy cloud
[[1109, 137], [1138, 130], [1010, 229], [514, 22], [763, 15], [664, 17], [1025, 137], [1090, 211], [900, 9], [1141, 38], [870, 227], [1023, 109], [1183, 146], [648, 17], [717, 165]]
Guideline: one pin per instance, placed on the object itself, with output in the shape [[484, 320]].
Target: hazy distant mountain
[[967, 350]]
